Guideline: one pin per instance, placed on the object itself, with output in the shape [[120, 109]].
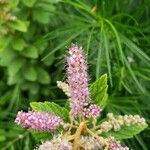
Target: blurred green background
[[34, 36]]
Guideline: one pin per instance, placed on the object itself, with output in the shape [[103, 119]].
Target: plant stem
[[78, 132]]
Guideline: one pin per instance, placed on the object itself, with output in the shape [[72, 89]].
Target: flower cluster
[[55, 145], [38, 120], [80, 132], [112, 144], [77, 80], [64, 86], [117, 122], [86, 142], [93, 110]]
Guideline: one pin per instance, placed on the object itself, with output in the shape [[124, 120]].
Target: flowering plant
[[78, 126]]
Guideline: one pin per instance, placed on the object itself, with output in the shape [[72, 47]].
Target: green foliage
[[114, 34], [99, 91], [20, 53], [41, 136], [19, 25], [29, 3], [51, 108], [127, 132]]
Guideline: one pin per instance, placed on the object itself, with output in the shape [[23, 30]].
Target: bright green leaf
[[99, 91], [30, 52], [19, 25], [2, 138], [13, 4], [4, 41], [30, 73], [18, 44], [50, 107], [29, 3]]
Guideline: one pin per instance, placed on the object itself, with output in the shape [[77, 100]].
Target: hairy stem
[[78, 132]]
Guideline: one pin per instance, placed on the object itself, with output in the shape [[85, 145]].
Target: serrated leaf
[[30, 52], [19, 25], [43, 76], [18, 44], [50, 107], [30, 73], [126, 132], [99, 91], [41, 136], [29, 3]]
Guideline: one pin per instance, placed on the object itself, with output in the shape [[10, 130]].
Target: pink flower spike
[[77, 80], [39, 121], [93, 110]]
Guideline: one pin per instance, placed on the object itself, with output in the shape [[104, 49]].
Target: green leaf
[[30, 73], [99, 91], [15, 66], [29, 3], [2, 135], [19, 25], [126, 132], [7, 56], [4, 41], [14, 79], [13, 4], [43, 76], [30, 52], [49, 60], [41, 135], [18, 44], [41, 16], [51, 107]]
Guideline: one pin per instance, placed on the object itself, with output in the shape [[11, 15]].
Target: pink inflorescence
[[77, 80], [115, 145], [93, 111], [39, 121]]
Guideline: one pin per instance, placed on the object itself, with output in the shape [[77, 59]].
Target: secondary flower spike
[[77, 80], [93, 111], [39, 121]]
